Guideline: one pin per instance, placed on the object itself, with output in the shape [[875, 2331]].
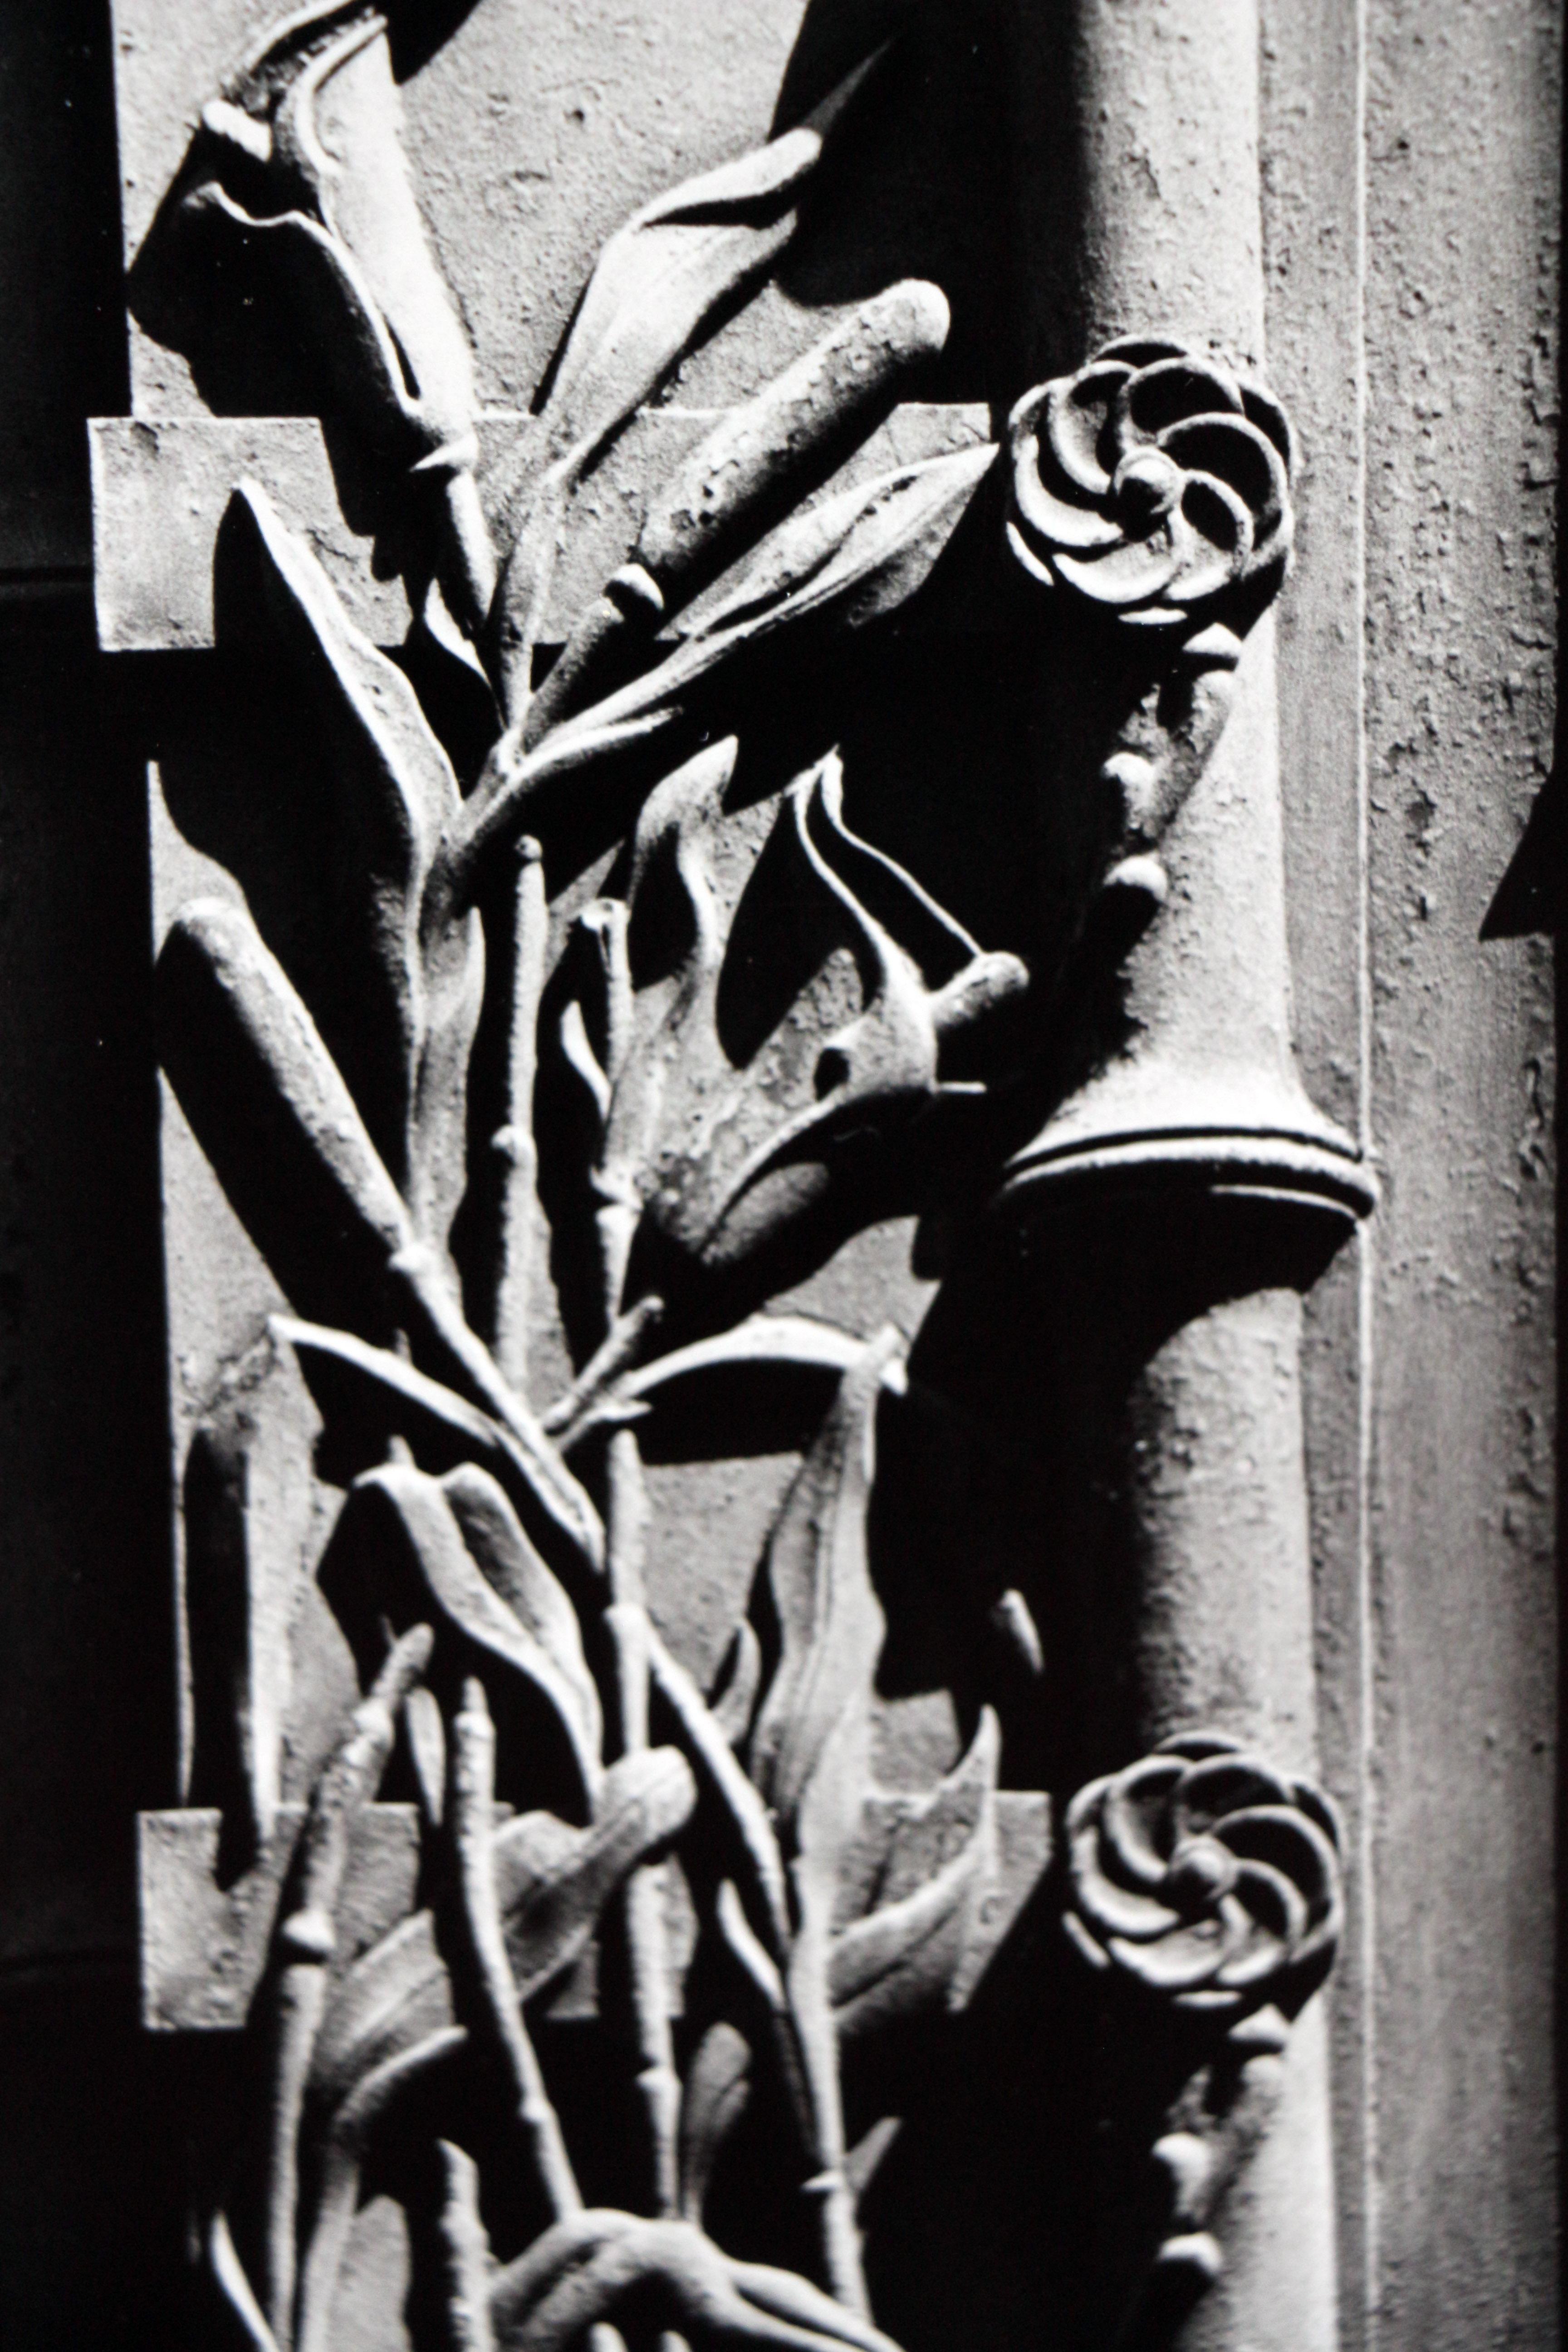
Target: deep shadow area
[[924, 191]]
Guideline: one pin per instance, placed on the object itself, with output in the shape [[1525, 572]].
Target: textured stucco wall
[[1462, 293], [1410, 227]]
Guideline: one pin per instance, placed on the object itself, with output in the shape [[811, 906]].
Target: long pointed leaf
[[397, 797], [906, 1955], [663, 274], [830, 1623], [510, 1564], [401, 764], [532, 1472], [456, 1583], [856, 555], [879, 538], [718, 2084], [393, 1996], [553, 1882]]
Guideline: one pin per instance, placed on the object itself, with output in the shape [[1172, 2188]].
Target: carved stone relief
[[742, 1571]]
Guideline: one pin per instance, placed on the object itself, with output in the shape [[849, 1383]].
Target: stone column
[[1182, 1193]]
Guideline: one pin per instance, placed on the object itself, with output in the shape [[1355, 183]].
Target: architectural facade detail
[[579, 1930]]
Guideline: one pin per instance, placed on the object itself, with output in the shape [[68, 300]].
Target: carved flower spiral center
[[1201, 1871], [1146, 488]]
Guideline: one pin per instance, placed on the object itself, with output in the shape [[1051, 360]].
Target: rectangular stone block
[[205, 1944]]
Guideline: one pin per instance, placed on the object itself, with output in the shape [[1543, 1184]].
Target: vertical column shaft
[[1194, 1103]]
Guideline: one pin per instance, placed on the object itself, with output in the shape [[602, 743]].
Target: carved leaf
[[462, 1590], [414, 1406], [406, 775], [510, 1565], [665, 274], [398, 796], [864, 551], [830, 1622], [393, 1996], [855, 556], [553, 1882], [760, 1340], [718, 2084], [906, 1954]]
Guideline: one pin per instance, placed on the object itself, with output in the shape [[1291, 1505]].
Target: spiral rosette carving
[[1155, 482], [1203, 1874]]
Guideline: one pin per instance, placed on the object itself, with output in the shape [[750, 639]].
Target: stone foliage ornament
[[729, 1033], [495, 1606]]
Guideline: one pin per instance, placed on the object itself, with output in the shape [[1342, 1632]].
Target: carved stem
[[473, 1807], [627, 1620], [520, 1208], [307, 1940], [817, 2043], [467, 2251], [627, 1617]]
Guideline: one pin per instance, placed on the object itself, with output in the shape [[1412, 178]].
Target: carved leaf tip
[[830, 1622], [477, 1565], [909, 1952], [369, 697], [398, 798], [664, 276], [555, 1881]]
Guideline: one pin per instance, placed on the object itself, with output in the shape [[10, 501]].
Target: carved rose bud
[[1153, 481], [1200, 1872]]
